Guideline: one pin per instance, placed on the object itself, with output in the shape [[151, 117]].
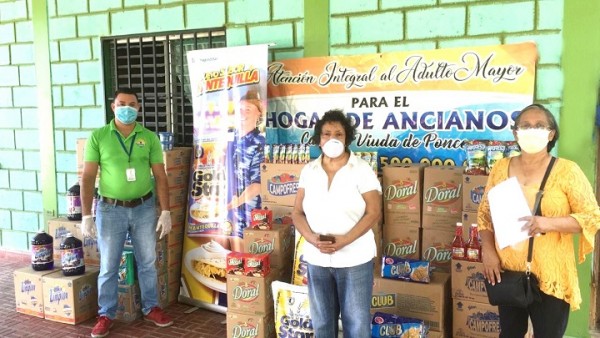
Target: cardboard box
[[60, 227], [71, 299], [437, 248], [178, 214], [279, 183], [174, 289], [474, 320], [279, 242], [163, 289], [178, 197], [245, 325], [429, 302], [174, 255], [282, 214], [473, 188], [178, 177], [177, 158], [249, 294], [442, 197], [468, 281], [173, 275], [175, 237], [402, 194], [129, 304], [29, 297], [127, 274], [468, 218], [402, 241]]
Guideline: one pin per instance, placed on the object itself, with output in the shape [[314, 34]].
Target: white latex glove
[[164, 223], [88, 227]]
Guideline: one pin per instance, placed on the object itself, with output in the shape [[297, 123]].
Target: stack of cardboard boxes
[[418, 201], [38, 292]]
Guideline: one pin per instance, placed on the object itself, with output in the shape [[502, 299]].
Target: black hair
[[128, 91], [551, 121], [334, 115]]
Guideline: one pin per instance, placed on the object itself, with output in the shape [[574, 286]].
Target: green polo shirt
[[104, 148]]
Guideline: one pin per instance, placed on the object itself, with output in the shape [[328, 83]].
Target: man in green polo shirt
[[127, 154]]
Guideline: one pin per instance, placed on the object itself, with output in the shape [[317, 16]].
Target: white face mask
[[533, 140], [333, 148]]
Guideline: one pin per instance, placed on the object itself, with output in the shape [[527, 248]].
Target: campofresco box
[[474, 320], [279, 183], [473, 188], [468, 281]]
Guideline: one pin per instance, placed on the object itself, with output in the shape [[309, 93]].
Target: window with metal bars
[[155, 66]]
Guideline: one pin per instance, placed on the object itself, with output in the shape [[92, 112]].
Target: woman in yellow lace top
[[568, 207]]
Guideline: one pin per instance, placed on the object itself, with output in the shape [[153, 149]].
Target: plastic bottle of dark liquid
[[74, 203], [71, 256], [42, 251]]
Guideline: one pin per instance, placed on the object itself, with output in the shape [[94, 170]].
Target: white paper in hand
[[507, 205]]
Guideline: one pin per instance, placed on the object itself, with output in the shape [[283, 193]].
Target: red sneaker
[[158, 317], [102, 326]]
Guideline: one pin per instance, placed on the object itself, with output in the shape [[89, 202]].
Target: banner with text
[[417, 106], [228, 88]]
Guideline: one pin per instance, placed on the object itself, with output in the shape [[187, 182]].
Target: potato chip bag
[[495, 151], [512, 149], [476, 164]]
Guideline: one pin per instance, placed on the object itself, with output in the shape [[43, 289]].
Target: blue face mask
[[126, 114]]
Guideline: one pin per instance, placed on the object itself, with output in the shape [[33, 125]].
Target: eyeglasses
[[537, 126]]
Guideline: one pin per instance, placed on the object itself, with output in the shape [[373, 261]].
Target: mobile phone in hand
[[327, 238]]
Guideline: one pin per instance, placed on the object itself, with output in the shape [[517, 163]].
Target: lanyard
[[123, 145]]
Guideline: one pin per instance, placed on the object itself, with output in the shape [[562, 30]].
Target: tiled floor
[[198, 324]]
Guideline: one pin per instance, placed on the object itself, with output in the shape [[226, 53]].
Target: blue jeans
[[349, 290], [113, 223]]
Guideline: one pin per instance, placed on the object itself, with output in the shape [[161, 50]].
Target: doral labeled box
[[60, 227], [279, 242], [29, 298], [279, 182], [468, 281], [442, 197], [474, 320], [402, 191], [249, 294], [473, 188], [129, 305], [241, 325], [71, 299], [402, 241], [428, 302], [436, 247]]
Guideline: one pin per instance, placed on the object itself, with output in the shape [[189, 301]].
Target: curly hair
[[334, 115]]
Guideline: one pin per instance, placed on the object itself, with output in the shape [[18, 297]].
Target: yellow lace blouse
[[567, 192]]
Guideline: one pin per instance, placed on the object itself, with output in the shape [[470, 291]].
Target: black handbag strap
[[536, 208]]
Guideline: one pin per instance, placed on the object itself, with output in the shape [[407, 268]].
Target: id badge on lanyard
[[129, 172]]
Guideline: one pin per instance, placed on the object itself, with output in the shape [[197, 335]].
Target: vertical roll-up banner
[[411, 106], [229, 90]]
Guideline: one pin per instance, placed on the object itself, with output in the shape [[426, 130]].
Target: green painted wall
[[581, 69], [68, 100]]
